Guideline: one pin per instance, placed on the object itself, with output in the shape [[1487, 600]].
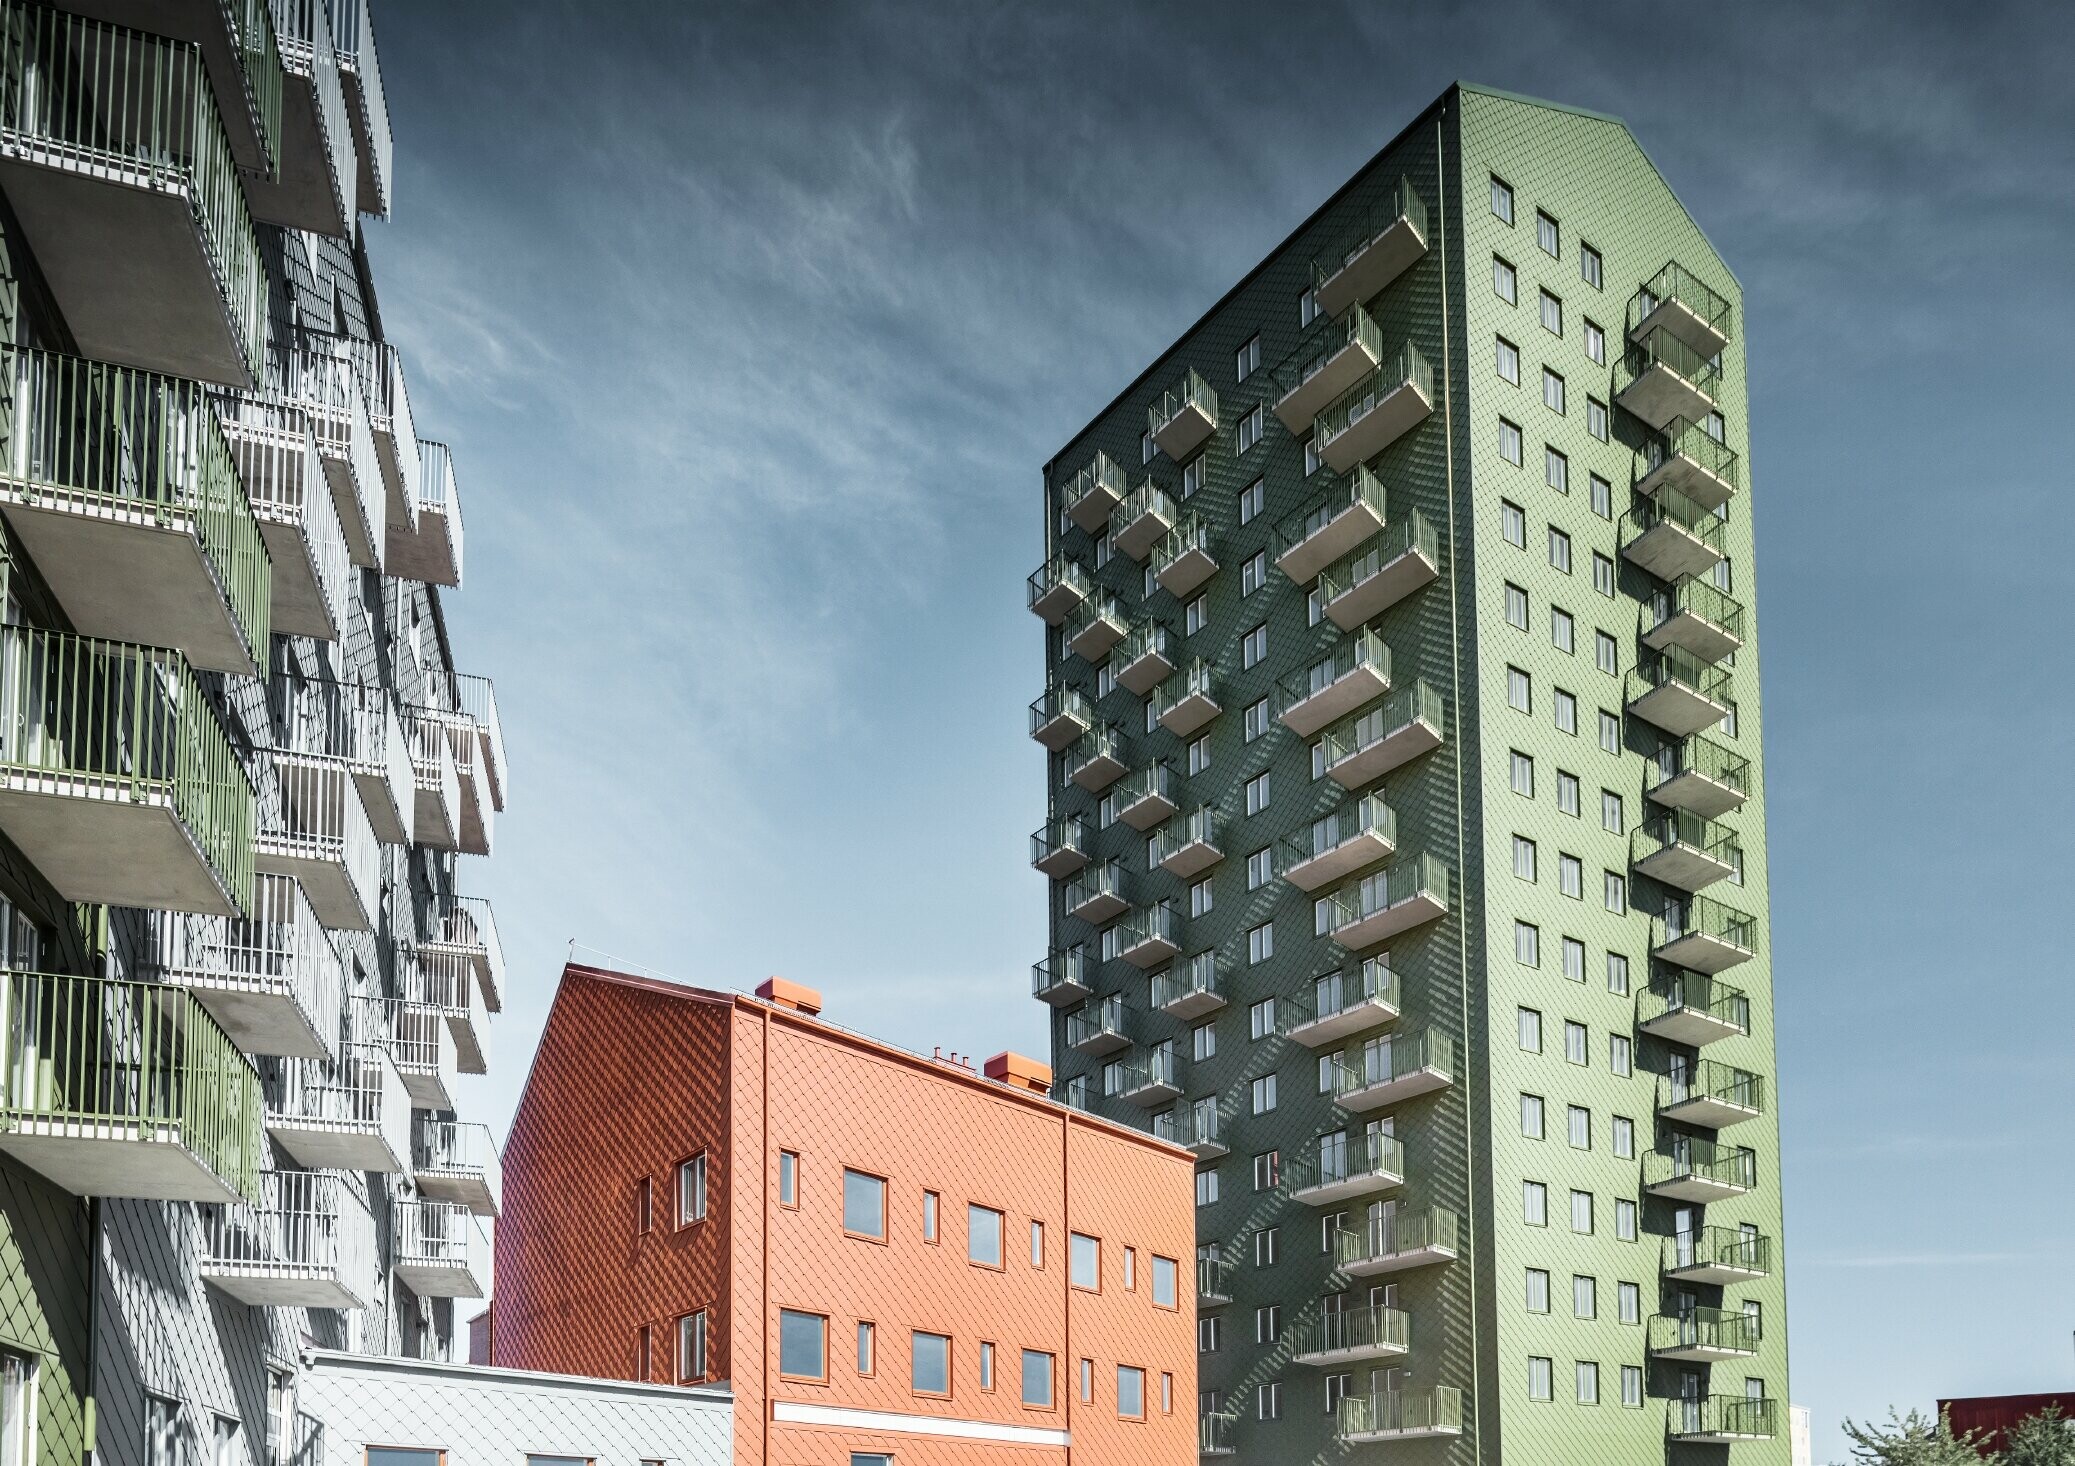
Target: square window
[[1547, 236], [1252, 499], [864, 1205], [1247, 431], [1508, 360], [1590, 269], [1552, 314], [1513, 523], [803, 1340], [929, 1363], [1510, 442], [1247, 360], [1131, 1392], [1501, 200], [1556, 470], [983, 1235], [1552, 391]]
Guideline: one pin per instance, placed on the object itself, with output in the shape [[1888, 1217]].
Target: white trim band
[[802, 1413]]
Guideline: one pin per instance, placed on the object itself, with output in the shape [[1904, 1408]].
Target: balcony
[[117, 781], [117, 164], [1392, 1069], [358, 725], [456, 1162], [318, 393], [436, 782], [1093, 493], [313, 827], [467, 930], [1703, 935], [1357, 672], [380, 369], [1098, 626], [441, 1251], [1399, 1240], [1150, 797], [1687, 460], [1721, 1420], [272, 980], [1700, 1171], [428, 550], [1693, 1009], [1151, 1081], [1671, 536], [1351, 1335], [1194, 1127], [354, 37], [445, 981], [1097, 894], [1717, 1256], [1678, 302], [422, 1044], [1700, 777], [1189, 847], [1662, 378], [1710, 1095], [1351, 511], [1057, 588], [123, 488], [241, 53], [474, 699], [1150, 936], [1213, 1283], [1390, 567], [1358, 834], [307, 1242], [315, 185], [1347, 1003], [1184, 418], [1389, 240], [127, 1089], [1189, 989], [1362, 749], [349, 1114], [1703, 1336], [1375, 412], [1183, 561], [1060, 848], [1098, 1028], [1342, 1167], [1348, 350], [1696, 618], [1214, 1432], [1399, 1415], [1185, 702], [1143, 520], [1678, 693], [311, 568], [1062, 977], [1393, 901], [1145, 659], [1061, 716], [1683, 850]]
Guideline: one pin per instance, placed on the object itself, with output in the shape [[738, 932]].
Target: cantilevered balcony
[[1091, 494], [311, 571], [1347, 1003], [380, 369], [1214, 1431], [359, 725], [441, 1251], [422, 1044], [1056, 588], [316, 184], [1146, 517], [1399, 1240], [1194, 1127], [1061, 716], [1389, 1070], [1189, 989], [1399, 1415], [1184, 418], [429, 549], [436, 782], [1671, 536], [1150, 936], [1348, 513], [313, 827], [1097, 1028], [1351, 1336], [1061, 847], [1389, 238], [457, 1162], [1189, 846], [1213, 1283], [1150, 797], [1356, 672], [466, 929], [1710, 1095], [1151, 1080], [1688, 460], [117, 780], [1354, 836], [1098, 893], [1692, 1008], [1702, 935], [1662, 378], [1695, 617], [1382, 572], [1341, 1166], [1699, 1170], [1409, 893], [116, 161], [114, 1088], [1376, 411], [1704, 1336], [1097, 759], [1679, 302], [272, 980], [1062, 978], [1361, 749], [1091, 632], [1717, 1256], [1345, 352], [307, 1242], [1684, 850], [1186, 702], [1721, 1420], [1184, 561], [124, 489], [1699, 776], [354, 38], [1145, 658], [242, 54], [316, 390], [348, 1114], [444, 980], [474, 699], [1678, 693]]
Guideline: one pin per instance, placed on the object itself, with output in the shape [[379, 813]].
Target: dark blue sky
[[752, 324]]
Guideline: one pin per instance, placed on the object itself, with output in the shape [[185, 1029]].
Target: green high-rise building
[[1406, 822]]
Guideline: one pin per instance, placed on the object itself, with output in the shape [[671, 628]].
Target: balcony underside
[[1704, 638], [1356, 852], [1101, 1041], [372, 193], [1336, 374], [1209, 1150], [1387, 1092], [281, 1284], [1718, 1437], [1709, 1112], [1341, 696], [1689, 476], [471, 1189], [1396, 1262], [435, 822], [1187, 571], [1055, 603], [130, 1158], [1152, 1092], [1409, 1433], [1383, 259], [1190, 714], [1678, 709], [1191, 860], [99, 846], [1185, 432], [1349, 1354], [1702, 952], [478, 817], [298, 606], [355, 503], [1698, 1353], [1137, 535], [389, 800], [337, 1145], [1336, 537], [1670, 551], [1697, 792], [1346, 1188], [1714, 1274], [1694, 1027], [1062, 862], [1058, 732], [1658, 394], [1150, 951], [303, 194], [471, 1032], [1393, 750], [262, 1015], [1094, 641], [1066, 991], [1684, 323], [1099, 907], [429, 1088], [426, 551], [1194, 1003], [1382, 925], [1146, 672], [1399, 411], [1148, 810], [1344, 1023], [398, 457], [324, 879], [1702, 1190], [1092, 510], [122, 574], [1395, 580], [436, 1279], [1688, 867]]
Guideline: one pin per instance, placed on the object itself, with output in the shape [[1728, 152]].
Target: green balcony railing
[[1414, 534], [1701, 1160], [1422, 874], [1417, 702], [131, 723], [1744, 1417], [1353, 327], [95, 1058], [1683, 439], [1375, 1327], [1357, 650], [1677, 283], [1702, 916], [1059, 574], [1437, 1410], [1059, 837], [259, 51], [1692, 596], [1363, 1066], [1341, 1156], [1694, 754], [1676, 991], [1661, 349], [1705, 1328], [1709, 1079], [1067, 967], [100, 440], [108, 102], [1196, 976], [1662, 829], [1100, 476], [1190, 391], [1402, 202], [1408, 368], [1726, 1247], [1398, 1232], [1369, 981], [1669, 506], [1366, 814], [1358, 487]]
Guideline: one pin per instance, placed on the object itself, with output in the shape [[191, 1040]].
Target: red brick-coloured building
[[882, 1253], [1994, 1417]]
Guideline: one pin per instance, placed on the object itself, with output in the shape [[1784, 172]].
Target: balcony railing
[[360, 725], [1687, 459], [1356, 671], [317, 183], [1214, 1432], [1387, 239], [430, 548], [1399, 1239], [420, 1041], [306, 1241], [1670, 535], [1098, 1027], [1144, 519], [1151, 1080], [1701, 1334], [1410, 891], [273, 979], [440, 1250], [311, 572], [1361, 749], [114, 475], [1213, 1281], [1386, 1071], [1703, 935], [1711, 1095], [1341, 1165], [1377, 411], [1676, 692], [436, 813], [1382, 572], [1091, 494], [475, 700], [1684, 304], [1681, 849], [1352, 1333], [1063, 976], [318, 387], [468, 929], [1193, 1127], [1056, 587], [1347, 1002], [1700, 775], [1185, 416], [1099, 892], [1358, 833], [1150, 935], [1148, 797], [161, 812], [1190, 988], [1662, 378], [1717, 1255], [1399, 1414], [1060, 716], [352, 1113], [1188, 846], [1700, 1170], [1693, 1008], [1722, 1419], [457, 1162], [1091, 631], [1325, 366], [444, 980], [1349, 512], [1145, 657], [314, 827], [1694, 616], [1184, 560], [1061, 847], [354, 37], [111, 1088], [1186, 702]]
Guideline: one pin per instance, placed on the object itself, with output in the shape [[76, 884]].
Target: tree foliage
[[1914, 1439], [2045, 1439]]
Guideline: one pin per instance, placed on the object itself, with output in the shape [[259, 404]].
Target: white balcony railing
[[272, 979], [307, 1242], [313, 826]]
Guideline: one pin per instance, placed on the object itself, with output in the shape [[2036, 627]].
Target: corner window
[[803, 1344], [864, 1205]]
